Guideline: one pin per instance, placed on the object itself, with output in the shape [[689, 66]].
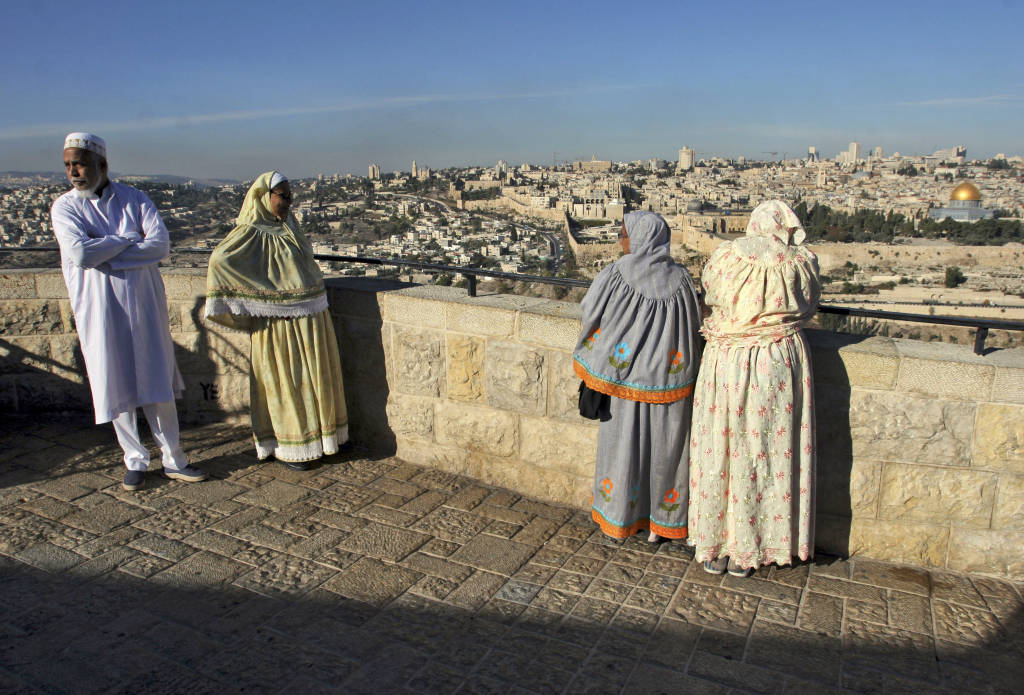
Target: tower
[[685, 159]]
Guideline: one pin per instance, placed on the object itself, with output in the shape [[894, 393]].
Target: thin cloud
[[964, 101], [40, 130]]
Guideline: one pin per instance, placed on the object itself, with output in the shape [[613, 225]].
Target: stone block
[[347, 302], [451, 459], [873, 363], [50, 285], [947, 378], [563, 387], [227, 352], [51, 393], [516, 378], [1008, 385], [899, 541], [477, 428], [558, 446], [67, 316], [18, 284], [415, 311], [545, 484], [893, 426], [850, 489], [179, 285], [9, 394], [190, 314], [986, 551], [937, 495], [30, 317], [21, 354], [364, 348], [999, 438], [66, 357], [1009, 511], [417, 362], [465, 367], [480, 320], [210, 397], [411, 416], [560, 332]]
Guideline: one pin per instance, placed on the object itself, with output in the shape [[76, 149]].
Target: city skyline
[[205, 91]]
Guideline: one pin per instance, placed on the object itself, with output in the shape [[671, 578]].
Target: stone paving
[[371, 575]]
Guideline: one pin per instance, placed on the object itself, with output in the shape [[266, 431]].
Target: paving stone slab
[[285, 575], [714, 607], [475, 591], [493, 554], [452, 524], [202, 569], [49, 557], [382, 541], [275, 495], [373, 582], [821, 613]]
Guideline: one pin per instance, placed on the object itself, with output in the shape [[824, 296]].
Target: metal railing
[[981, 325]]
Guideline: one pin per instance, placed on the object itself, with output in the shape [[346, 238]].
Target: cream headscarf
[[775, 218], [264, 267]]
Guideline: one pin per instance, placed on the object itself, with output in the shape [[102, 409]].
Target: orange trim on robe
[[640, 525], [630, 394]]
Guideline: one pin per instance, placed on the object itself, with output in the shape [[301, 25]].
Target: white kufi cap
[[87, 141]]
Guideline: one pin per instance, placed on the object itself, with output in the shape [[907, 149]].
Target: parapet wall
[[921, 446], [834, 255]]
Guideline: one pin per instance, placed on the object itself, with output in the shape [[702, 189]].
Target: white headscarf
[[277, 178], [775, 218]]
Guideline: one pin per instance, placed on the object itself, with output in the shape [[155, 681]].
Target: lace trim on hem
[[297, 453], [252, 307], [752, 560]]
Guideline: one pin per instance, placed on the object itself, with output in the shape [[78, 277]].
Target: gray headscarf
[[640, 321]]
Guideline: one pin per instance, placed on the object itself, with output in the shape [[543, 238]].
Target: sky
[[219, 89]]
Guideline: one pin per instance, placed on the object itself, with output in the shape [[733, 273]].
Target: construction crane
[[771, 153]]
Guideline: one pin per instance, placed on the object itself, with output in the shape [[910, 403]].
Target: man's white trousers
[[163, 422]]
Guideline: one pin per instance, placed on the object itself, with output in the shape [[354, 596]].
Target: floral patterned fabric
[[752, 450]]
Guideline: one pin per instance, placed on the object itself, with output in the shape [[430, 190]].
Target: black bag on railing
[[595, 405]]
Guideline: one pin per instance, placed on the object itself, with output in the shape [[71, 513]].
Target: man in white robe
[[111, 243]]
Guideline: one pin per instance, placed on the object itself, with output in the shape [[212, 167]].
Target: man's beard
[[86, 193]]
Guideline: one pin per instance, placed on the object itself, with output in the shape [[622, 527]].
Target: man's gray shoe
[[133, 480], [190, 474]]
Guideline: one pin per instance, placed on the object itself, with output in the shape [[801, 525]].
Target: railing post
[[471, 289], [979, 340]]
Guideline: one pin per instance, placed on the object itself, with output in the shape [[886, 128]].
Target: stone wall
[[921, 446], [835, 255]]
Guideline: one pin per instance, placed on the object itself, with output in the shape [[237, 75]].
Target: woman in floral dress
[[752, 441], [639, 345]]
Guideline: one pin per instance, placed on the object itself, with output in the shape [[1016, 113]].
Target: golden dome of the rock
[[965, 191]]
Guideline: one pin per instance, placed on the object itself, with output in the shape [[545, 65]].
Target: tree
[[953, 276]]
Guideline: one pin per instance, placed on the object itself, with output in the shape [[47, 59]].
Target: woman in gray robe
[[640, 346]]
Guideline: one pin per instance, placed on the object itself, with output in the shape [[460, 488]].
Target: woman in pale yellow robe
[[263, 279]]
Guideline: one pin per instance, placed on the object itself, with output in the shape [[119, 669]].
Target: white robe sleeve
[[76, 245], [154, 246]]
